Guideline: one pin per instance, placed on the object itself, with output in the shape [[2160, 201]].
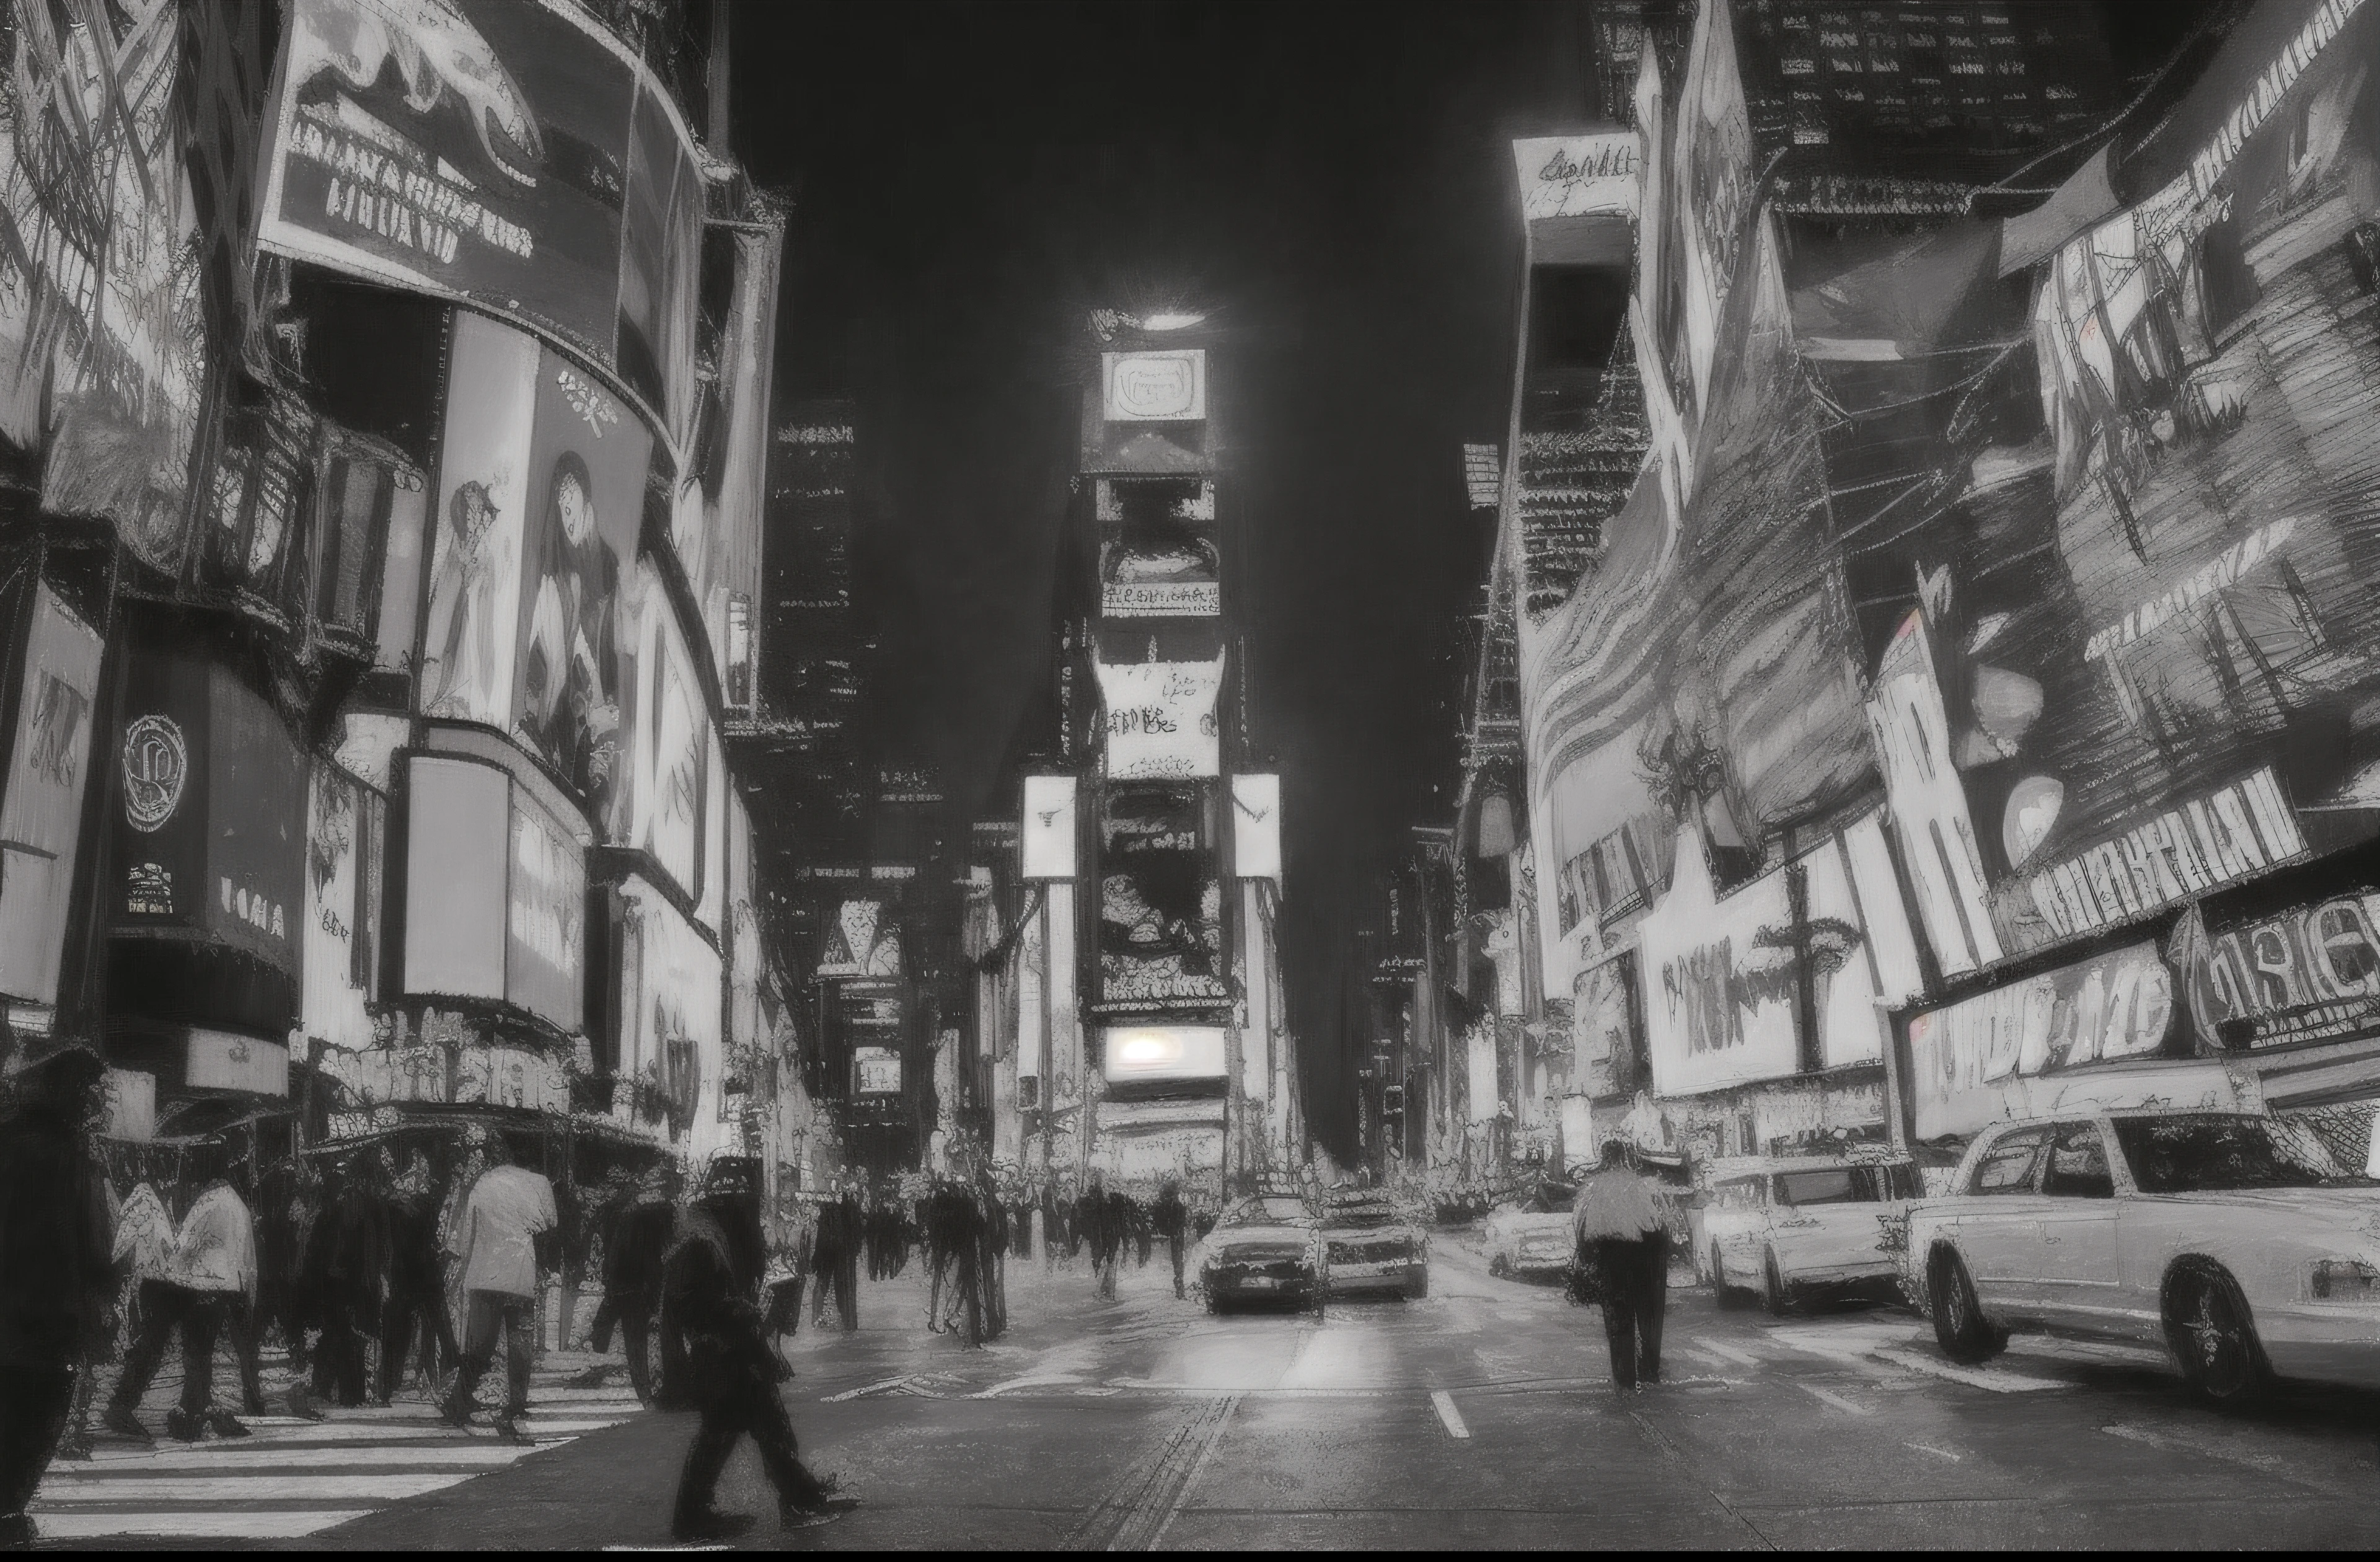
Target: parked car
[[1790, 1228], [2229, 1239], [1530, 1240], [1267, 1249], [1370, 1249]]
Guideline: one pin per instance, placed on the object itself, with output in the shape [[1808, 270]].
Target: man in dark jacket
[[350, 1265], [710, 1283], [54, 1275], [417, 1301], [1171, 1219]]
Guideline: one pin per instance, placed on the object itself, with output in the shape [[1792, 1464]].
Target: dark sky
[[1335, 179]]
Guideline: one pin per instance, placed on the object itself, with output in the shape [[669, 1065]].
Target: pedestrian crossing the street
[[292, 1478]]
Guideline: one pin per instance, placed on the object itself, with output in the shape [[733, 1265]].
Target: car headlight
[[2343, 1279]]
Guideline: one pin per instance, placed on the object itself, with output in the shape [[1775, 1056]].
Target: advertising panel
[[343, 865], [512, 155], [672, 997], [1160, 902], [1718, 980], [212, 829], [101, 326], [1154, 387], [1134, 1053], [1046, 845], [1256, 827], [1605, 1048], [669, 789], [495, 901], [723, 555], [1161, 719], [863, 942], [223, 1060], [542, 489], [1577, 176], [1158, 556], [2290, 961], [875, 1072], [1929, 804], [40, 813]]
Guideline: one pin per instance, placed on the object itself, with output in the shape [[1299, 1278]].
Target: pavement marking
[[1140, 1506], [1707, 1358], [1937, 1453], [1740, 1358], [248, 1488], [1448, 1414], [233, 1458], [860, 1393], [2177, 1440], [2050, 1348], [1826, 1395], [196, 1526], [1190, 1481], [1030, 1380], [1998, 1381], [1670, 1451]]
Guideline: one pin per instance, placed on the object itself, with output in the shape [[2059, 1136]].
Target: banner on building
[[1256, 827], [1160, 901], [541, 486], [1154, 387], [663, 803], [224, 1060], [40, 812], [1047, 842], [1163, 721], [1159, 553], [863, 942], [673, 998], [345, 825], [515, 156], [1578, 176], [1150, 1054], [495, 896], [1719, 979], [875, 1072]]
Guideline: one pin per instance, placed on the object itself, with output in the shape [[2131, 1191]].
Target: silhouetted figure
[[632, 1285], [1171, 1219], [1619, 1232]]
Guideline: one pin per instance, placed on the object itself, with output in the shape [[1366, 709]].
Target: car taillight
[[2343, 1279]]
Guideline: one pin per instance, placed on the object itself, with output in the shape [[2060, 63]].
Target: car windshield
[[2217, 1152], [1841, 1185], [1271, 1210]]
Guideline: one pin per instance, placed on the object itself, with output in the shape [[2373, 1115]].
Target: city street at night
[[1482, 1417]]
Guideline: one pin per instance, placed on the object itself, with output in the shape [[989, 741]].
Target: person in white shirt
[[496, 1241], [1622, 1239]]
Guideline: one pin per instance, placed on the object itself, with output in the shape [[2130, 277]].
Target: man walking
[[417, 1304], [215, 1256], [510, 1207], [56, 1277], [211, 1266], [1172, 1220], [732, 1374], [1620, 1238], [632, 1277]]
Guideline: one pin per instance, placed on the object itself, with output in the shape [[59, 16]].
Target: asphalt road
[[1481, 1417]]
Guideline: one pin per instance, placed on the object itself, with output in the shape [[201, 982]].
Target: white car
[[1788, 1227], [2226, 1237], [1531, 1241]]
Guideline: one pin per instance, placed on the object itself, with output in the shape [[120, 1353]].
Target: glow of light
[[1148, 1049], [1171, 319]]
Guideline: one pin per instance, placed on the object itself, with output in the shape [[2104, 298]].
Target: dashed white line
[[1448, 1414], [865, 1389], [1937, 1453], [1740, 1358], [1829, 1397]]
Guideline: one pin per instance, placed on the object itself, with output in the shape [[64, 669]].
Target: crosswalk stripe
[[195, 1526], [1740, 1358], [235, 1459], [1997, 1380], [1829, 1397], [253, 1487]]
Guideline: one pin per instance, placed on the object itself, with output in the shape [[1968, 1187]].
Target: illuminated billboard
[[1161, 719], [495, 891], [1154, 387], [875, 1072], [1046, 845], [513, 156], [1160, 902], [1159, 555], [1132, 1053]]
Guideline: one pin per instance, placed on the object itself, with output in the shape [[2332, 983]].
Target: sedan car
[[1370, 1249], [1263, 1251], [2229, 1239], [1788, 1228], [1531, 1239]]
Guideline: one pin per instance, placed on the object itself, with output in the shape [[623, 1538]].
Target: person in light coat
[[1623, 1240], [506, 1220]]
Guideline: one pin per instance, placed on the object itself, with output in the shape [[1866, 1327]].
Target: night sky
[[1337, 182]]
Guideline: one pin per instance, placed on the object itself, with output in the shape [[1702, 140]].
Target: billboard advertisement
[[663, 802], [102, 330], [875, 1072], [1154, 387], [1136, 1053], [1256, 827], [1161, 720], [1159, 557], [863, 942], [344, 834], [1718, 980], [540, 494], [511, 156], [1160, 901], [672, 998], [40, 812], [213, 831], [1046, 845], [1577, 176], [495, 902]]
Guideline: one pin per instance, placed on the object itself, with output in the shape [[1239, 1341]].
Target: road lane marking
[[250, 1488], [1937, 1453], [1190, 1481], [1830, 1397], [2178, 1441], [862, 1392], [1447, 1413], [1670, 1451], [227, 1525], [1998, 1382], [1740, 1358], [1140, 1506]]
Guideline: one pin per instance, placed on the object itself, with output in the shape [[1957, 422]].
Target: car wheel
[[1776, 1295], [1960, 1326], [2212, 1335], [1499, 1268], [1725, 1296]]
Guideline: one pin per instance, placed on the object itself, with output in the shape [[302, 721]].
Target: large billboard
[[102, 330], [672, 1000], [540, 494], [1158, 556], [495, 891], [40, 811], [1160, 902], [662, 801], [1163, 719], [1154, 387], [508, 153]]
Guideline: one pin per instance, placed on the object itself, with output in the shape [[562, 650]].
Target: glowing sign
[[1154, 387], [1163, 1052]]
